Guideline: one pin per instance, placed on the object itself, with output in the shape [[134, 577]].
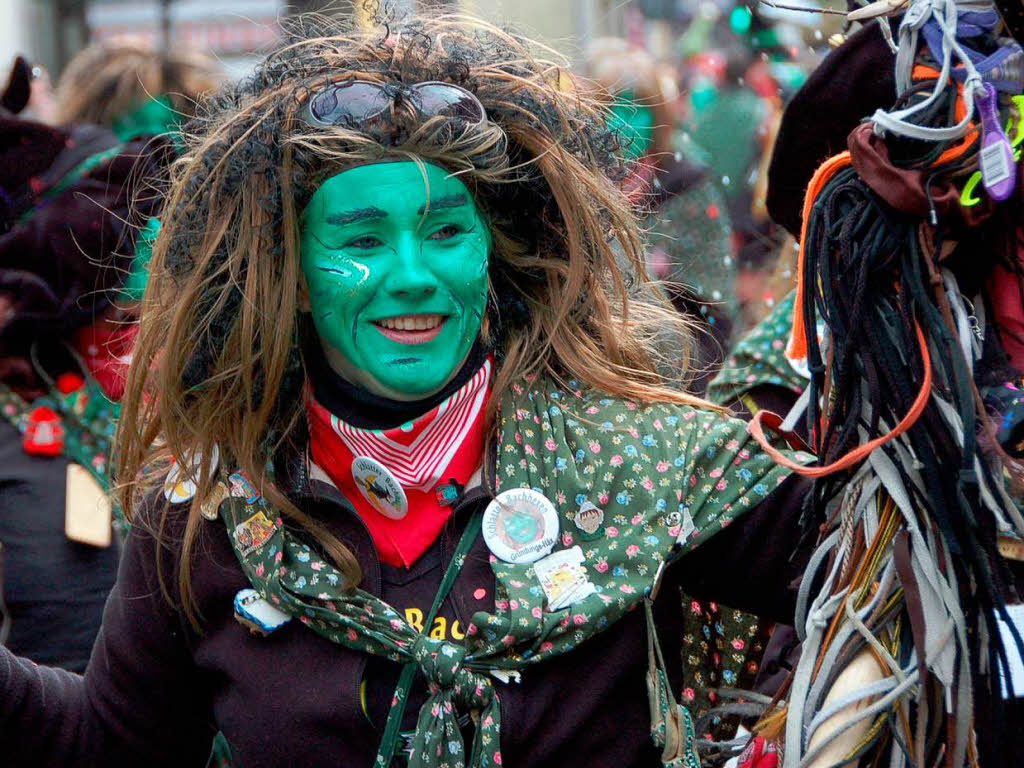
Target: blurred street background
[[50, 32]]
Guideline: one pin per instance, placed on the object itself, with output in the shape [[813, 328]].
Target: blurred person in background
[[72, 199], [689, 246], [128, 86], [735, 91], [691, 252]]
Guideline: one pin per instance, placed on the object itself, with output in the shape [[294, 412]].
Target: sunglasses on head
[[355, 102]]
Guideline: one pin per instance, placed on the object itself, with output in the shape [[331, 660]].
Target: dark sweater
[[157, 691]]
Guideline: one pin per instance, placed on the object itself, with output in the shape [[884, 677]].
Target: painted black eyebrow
[[449, 201], [359, 214]]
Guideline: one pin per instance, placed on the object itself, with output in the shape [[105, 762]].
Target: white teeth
[[411, 322]]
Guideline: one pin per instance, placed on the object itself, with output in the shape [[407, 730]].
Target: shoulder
[[161, 538], [541, 411], [759, 358]]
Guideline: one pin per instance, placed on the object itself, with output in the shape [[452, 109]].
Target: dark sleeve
[[755, 563], [140, 699]]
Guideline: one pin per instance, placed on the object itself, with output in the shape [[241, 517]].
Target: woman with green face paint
[[394, 410], [394, 260]]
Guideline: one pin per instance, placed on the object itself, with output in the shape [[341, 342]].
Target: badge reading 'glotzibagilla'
[[380, 487], [520, 525]]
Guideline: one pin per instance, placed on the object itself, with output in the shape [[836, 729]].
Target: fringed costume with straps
[[903, 610]]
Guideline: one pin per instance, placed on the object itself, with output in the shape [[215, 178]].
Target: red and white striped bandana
[[444, 444]]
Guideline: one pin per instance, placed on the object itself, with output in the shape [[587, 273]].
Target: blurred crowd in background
[[94, 94], [711, 75]]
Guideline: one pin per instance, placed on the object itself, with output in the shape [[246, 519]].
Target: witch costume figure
[[404, 484], [905, 343], [71, 202]]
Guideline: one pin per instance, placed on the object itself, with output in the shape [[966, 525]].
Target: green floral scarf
[[667, 478]]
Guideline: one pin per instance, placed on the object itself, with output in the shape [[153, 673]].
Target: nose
[[411, 276]]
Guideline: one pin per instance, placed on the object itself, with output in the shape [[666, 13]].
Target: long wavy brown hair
[[219, 356]]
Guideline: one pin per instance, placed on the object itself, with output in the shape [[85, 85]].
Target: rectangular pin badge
[[254, 533], [563, 577], [88, 512]]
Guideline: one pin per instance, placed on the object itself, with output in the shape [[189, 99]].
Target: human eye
[[364, 243], [447, 232]]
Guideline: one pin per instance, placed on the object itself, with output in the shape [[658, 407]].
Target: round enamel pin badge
[[520, 526], [590, 520], [380, 487], [183, 479]]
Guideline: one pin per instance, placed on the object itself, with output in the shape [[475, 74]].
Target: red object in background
[[759, 754], [761, 81], [44, 433], [107, 350], [711, 64], [69, 382], [1004, 294]]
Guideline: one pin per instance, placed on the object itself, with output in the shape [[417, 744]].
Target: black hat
[[850, 84]]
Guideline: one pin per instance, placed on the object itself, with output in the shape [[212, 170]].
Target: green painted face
[[134, 287], [395, 260], [522, 529], [154, 116], [634, 123]]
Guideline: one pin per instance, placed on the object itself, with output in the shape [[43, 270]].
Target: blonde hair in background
[[112, 78], [218, 358]]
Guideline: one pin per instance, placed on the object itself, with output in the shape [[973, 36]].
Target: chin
[[417, 380]]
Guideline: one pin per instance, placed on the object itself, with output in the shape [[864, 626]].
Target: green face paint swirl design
[[395, 259]]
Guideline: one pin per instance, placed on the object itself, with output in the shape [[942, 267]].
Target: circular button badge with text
[[520, 525], [380, 487]]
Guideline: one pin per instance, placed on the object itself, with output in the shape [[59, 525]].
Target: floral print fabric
[[666, 477], [722, 648], [760, 358]]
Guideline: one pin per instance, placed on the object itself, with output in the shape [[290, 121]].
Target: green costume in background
[[759, 359]]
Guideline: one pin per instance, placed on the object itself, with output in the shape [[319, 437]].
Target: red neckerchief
[[107, 351], [442, 445]]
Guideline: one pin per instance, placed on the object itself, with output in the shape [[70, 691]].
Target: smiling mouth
[[411, 329]]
